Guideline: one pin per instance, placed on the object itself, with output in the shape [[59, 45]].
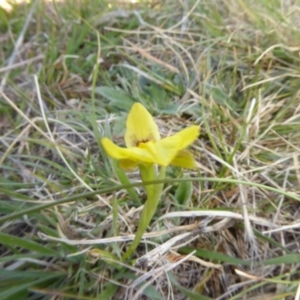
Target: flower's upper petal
[[134, 154], [187, 136], [184, 159], [164, 150], [140, 127]]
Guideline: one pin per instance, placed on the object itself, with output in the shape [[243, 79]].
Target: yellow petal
[[140, 127], [134, 154], [184, 159], [128, 165], [188, 135], [164, 150]]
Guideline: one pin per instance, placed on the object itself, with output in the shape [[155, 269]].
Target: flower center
[[135, 142], [142, 142]]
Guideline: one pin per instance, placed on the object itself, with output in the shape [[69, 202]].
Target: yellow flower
[[144, 145]]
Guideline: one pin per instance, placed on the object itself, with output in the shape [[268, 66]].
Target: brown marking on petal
[[136, 142]]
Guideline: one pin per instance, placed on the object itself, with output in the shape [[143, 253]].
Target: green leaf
[[285, 259], [108, 291], [123, 178], [14, 195], [29, 274], [270, 240], [14, 241], [16, 282], [11, 258], [215, 256], [118, 98], [184, 191]]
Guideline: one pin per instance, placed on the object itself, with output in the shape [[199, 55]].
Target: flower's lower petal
[[134, 154], [127, 164], [164, 150], [188, 135], [184, 159]]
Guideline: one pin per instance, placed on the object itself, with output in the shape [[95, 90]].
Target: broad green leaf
[[118, 98], [184, 192]]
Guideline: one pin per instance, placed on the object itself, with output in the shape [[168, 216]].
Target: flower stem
[[153, 197]]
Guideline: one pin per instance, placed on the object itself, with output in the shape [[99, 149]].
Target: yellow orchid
[[145, 149], [144, 145]]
